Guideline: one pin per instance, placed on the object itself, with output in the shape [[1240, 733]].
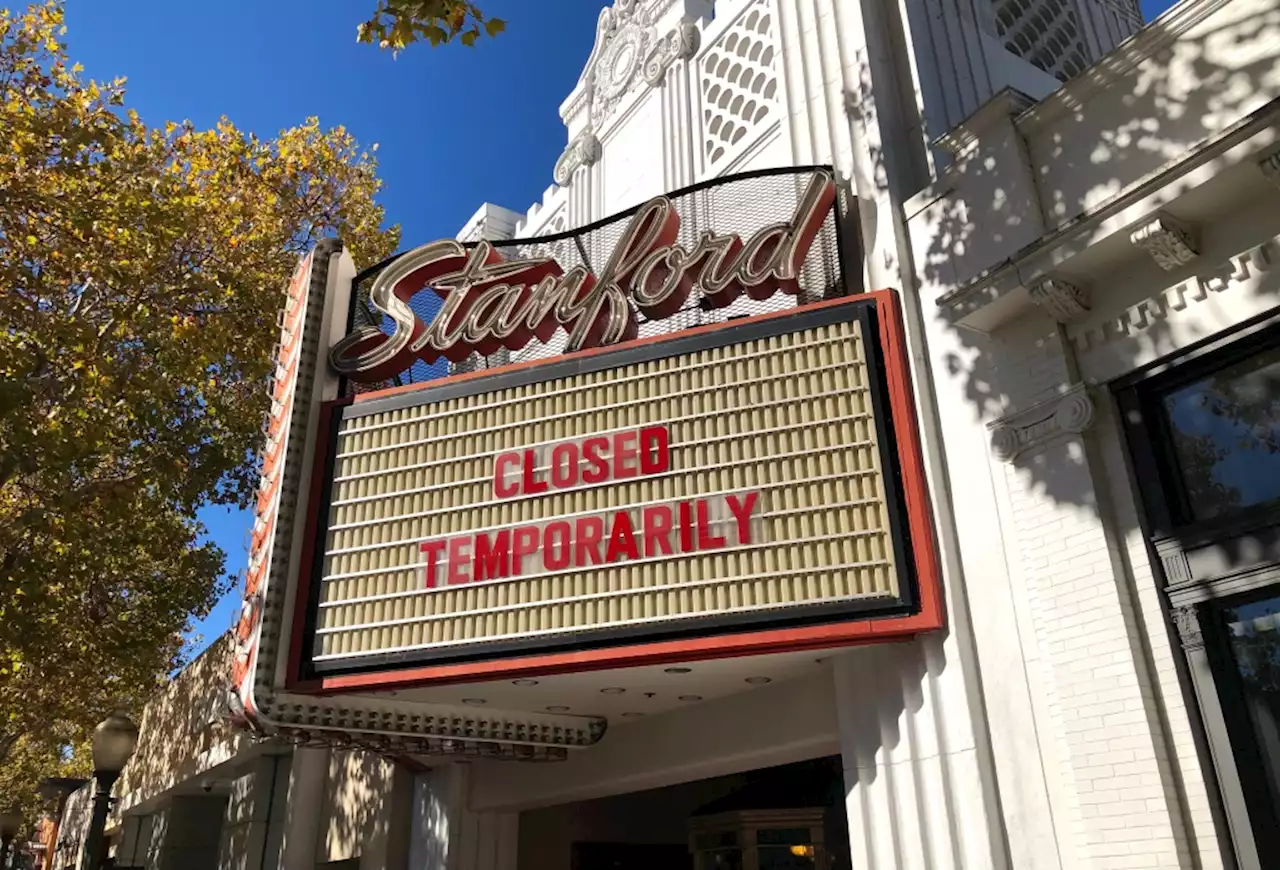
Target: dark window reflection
[[726, 859], [786, 858], [1254, 636], [1226, 436]]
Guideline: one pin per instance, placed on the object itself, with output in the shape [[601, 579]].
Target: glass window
[[1225, 434], [1253, 634], [722, 859]]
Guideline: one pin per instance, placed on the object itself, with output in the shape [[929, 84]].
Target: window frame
[[1240, 727], [1196, 605], [1144, 392]]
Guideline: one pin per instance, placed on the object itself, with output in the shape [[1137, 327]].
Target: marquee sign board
[[751, 485], [706, 448]]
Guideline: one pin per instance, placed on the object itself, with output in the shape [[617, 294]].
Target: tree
[[397, 23], [141, 274], [30, 760]]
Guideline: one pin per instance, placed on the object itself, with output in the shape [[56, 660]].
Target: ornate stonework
[[1068, 414], [584, 150], [623, 36], [1187, 619], [1171, 243], [1138, 318], [680, 44], [628, 51], [1063, 300]]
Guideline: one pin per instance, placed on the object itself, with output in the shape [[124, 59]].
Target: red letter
[[741, 511], [622, 540], [655, 453], [501, 488], [597, 464], [526, 545], [564, 466], [624, 450], [433, 549], [493, 560], [586, 541], [686, 528], [556, 547], [657, 521], [458, 560], [706, 540], [531, 486]]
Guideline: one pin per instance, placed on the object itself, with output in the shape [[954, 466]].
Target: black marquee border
[[865, 311]]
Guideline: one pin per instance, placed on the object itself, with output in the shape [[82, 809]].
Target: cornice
[[1009, 102]]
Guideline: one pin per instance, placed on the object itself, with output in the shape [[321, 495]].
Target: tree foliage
[[30, 760], [398, 23], [141, 272]]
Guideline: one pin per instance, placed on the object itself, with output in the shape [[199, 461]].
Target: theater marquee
[[703, 489], [644, 491]]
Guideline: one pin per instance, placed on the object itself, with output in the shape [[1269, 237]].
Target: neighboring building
[[939, 628], [1099, 280]]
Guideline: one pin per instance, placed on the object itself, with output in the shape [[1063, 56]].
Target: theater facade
[[617, 528], [681, 520]]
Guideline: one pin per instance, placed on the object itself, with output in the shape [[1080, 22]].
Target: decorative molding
[[1187, 620], [1171, 243], [681, 43], [584, 150], [624, 33], [1070, 413], [627, 50], [1177, 570], [1063, 300], [1141, 316], [658, 8], [1270, 166]]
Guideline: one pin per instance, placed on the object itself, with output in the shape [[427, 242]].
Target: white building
[[1098, 284], [1051, 245]]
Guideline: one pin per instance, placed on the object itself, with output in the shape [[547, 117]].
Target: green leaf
[[494, 26]]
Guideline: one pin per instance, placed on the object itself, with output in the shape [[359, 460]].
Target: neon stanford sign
[[492, 303]]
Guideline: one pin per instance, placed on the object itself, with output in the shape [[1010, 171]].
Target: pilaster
[[1115, 799], [917, 794], [308, 773], [253, 826], [446, 834]]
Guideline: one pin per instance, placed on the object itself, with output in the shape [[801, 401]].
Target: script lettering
[[490, 303]]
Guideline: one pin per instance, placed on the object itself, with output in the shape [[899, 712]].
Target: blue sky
[[456, 127]]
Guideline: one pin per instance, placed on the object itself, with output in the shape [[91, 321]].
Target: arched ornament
[[624, 35]]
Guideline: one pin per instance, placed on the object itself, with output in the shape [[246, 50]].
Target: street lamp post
[[114, 740], [10, 824]]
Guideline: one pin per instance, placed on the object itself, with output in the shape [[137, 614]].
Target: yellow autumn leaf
[[156, 248]]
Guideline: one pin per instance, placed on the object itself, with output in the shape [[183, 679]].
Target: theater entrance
[[780, 818]]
